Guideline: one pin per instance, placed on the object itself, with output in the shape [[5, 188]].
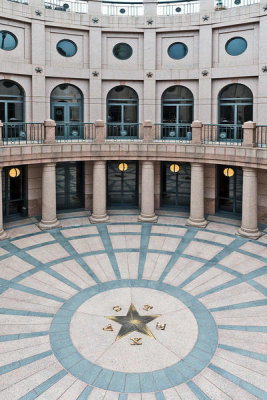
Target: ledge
[[59, 152]]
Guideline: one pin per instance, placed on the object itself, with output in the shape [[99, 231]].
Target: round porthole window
[[8, 41], [177, 51], [236, 46], [66, 48], [122, 51]]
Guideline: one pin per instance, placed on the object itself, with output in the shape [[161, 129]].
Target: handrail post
[[100, 132], [1, 133], [148, 132], [196, 132], [49, 131], [249, 134]]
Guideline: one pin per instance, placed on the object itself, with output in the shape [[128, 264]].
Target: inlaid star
[[132, 322]]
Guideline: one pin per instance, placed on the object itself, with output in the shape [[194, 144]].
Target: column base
[[98, 219], [198, 223], [46, 225], [147, 218], [250, 234], [3, 235]]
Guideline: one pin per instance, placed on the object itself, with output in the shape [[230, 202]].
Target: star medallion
[[133, 321]]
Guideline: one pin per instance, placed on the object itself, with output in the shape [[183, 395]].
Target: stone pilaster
[[197, 197], [49, 215], [147, 199], [99, 193], [3, 234], [249, 226]]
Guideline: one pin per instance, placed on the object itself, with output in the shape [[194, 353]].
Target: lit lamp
[[14, 172], [123, 167], [174, 168], [229, 172]]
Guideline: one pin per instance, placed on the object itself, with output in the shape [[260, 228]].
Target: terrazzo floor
[[199, 301]]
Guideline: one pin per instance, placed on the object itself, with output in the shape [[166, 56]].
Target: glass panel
[[60, 186], [236, 91], [130, 114], [10, 88], [69, 185], [74, 113], [123, 92], [227, 114], [177, 51], [236, 46], [2, 112], [13, 192], [185, 114], [244, 113], [114, 113], [66, 93], [8, 41], [122, 186], [169, 114], [14, 112], [177, 92], [122, 51], [66, 48], [59, 113], [230, 190], [239, 190]]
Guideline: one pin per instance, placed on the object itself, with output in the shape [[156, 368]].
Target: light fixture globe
[[229, 172], [14, 172], [123, 167], [174, 168]]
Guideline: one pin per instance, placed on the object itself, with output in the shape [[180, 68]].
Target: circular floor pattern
[[70, 300]]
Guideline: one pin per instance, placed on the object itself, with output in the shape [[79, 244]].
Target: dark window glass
[[122, 51], [8, 41], [236, 46], [177, 51], [122, 186], [66, 48]]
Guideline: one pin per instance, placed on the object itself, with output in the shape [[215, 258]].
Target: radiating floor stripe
[[17, 336], [144, 241], [25, 361], [260, 394], [33, 394], [123, 396], [247, 328], [185, 241], [160, 396], [85, 393], [247, 304], [246, 353], [10, 311], [104, 234], [197, 391]]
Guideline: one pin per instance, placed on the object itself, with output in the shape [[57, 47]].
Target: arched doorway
[[122, 113], [12, 110], [235, 108], [67, 111], [177, 113]]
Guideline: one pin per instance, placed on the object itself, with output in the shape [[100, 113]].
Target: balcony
[[177, 7], [133, 9], [224, 4]]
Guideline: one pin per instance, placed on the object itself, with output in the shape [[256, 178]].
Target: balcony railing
[[76, 6], [177, 7], [222, 134], [74, 132], [22, 132], [261, 135], [182, 132], [122, 131], [223, 4], [20, 1], [133, 9]]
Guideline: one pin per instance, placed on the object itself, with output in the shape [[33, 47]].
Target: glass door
[[175, 186], [229, 189], [14, 190], [68, 120], [122, 183], [69, 185]]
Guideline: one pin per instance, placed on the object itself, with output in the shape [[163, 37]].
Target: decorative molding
[[264, 68], [95, 20], [38, 70], [95, 73], [205, 73], [150, 21], [264, 8], [38, 13], [205, 18], [149, 74]]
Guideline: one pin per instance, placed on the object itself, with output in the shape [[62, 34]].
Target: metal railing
[[222, 134], [76, 6], [181, 132], [221, 4], [177, 7], [122, 131], [74, 132], [22, 132], [261, 135], [128, 9]]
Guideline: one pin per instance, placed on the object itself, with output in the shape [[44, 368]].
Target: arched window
[[122, 112], [235, 108], [12, 110], [67, 111], [177, 112]]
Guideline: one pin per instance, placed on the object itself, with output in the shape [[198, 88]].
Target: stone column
[[147, 195], [197, 197], [3, 234], [99, 193], [49, 216], [249, 227]]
